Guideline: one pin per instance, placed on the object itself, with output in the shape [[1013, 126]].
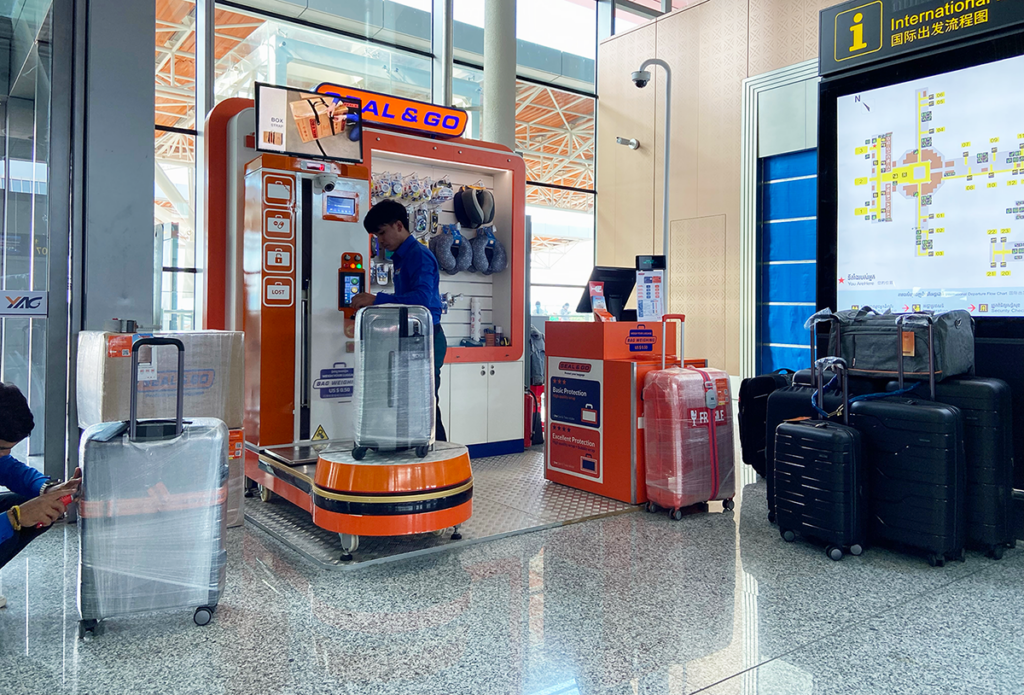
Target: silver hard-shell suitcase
[[395, 384], [152, 512]]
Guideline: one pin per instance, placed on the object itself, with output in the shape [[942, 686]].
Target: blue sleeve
[[6, 530], [20, 478], [420, 291]]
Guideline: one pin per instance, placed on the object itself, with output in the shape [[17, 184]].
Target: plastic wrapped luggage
[[394, 391], [688, 438], [914, 455], [986, 406], [753, 414], [819, 491], [152, 512]]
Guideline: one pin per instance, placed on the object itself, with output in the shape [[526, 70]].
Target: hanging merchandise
[[488, 253], [474, 206], [452, 251], [441, 192], [476, 324], [396, 186], [420, 223]]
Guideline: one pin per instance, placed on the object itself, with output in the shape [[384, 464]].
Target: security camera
[[324, 182], [641, 78]]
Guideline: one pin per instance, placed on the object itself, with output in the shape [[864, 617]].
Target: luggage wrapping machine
[[294, 254]]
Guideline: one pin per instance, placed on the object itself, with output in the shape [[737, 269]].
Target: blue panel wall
[[789, 194]]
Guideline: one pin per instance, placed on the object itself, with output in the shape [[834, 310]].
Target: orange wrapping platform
[[593, 379]]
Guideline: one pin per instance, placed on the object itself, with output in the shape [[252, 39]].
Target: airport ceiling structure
[[554, 128]]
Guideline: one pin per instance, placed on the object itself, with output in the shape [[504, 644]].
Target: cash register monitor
[[618, 286]]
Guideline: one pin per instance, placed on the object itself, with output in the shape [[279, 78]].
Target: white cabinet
[[484, 402], [468, 404], [504, 401], [443, 399]]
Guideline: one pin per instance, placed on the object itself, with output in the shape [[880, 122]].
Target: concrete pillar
[[442, 41], [499, 122], [117, 275]]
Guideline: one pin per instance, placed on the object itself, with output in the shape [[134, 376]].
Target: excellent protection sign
[[575, 429]]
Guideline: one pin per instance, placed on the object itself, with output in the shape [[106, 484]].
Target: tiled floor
[[510, 496], [630, 604]]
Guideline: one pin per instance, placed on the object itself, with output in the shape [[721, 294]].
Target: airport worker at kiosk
[[417, 280]]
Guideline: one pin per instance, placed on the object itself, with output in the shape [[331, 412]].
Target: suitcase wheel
[[266, 494], [676, 514], [771, 517], [359, 453], [87, 629], [651, 508], [961, 556], [728, 505], [936, 560], [835, 554], [787, 535], [856, 549], [203, 615], [456, 536], [421, 450], [996, 552]]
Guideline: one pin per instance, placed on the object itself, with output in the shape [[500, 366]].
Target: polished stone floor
[[629, 604]]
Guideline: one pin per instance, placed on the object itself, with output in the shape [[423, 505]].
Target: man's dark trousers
[[440, 348], [17, 543]]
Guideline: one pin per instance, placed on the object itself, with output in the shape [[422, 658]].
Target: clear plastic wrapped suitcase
[[395, 383], [152, 513], [688, 438]]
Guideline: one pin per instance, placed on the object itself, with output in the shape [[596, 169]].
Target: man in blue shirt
[[417, 278], [34, 502]]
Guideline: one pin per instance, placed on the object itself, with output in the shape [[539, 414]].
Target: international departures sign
[[858, 32]]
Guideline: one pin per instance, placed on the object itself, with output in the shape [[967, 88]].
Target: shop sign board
[[857, 33], [575, 429], [23, 303], [398, 112]]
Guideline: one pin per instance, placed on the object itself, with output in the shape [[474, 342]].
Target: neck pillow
[[474, 207], [488, 253]]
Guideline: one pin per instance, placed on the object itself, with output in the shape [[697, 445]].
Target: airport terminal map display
[[930, 179]]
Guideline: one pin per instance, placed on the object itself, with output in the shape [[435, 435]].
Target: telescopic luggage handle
[[930, 320], [838, 365], [133, 421], [681, 318]]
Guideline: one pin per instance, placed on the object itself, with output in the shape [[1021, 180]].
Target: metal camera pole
[[641, 78]]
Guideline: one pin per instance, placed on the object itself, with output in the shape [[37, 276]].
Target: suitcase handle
[[838, 365], [133, 405], [930, 320], [681, 318]]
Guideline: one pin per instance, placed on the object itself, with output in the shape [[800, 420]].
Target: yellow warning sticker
[[320, 435]]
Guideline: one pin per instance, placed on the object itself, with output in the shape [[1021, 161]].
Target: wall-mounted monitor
[[928, 180], [305, 124]]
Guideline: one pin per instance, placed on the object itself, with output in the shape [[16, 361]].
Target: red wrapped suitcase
[[688, 435]]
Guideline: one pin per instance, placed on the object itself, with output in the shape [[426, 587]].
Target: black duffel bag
[[870, 343]]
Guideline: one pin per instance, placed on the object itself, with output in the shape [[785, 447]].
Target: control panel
[[351, 280]]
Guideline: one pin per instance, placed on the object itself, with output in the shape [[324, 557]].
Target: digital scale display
[[336, 205]]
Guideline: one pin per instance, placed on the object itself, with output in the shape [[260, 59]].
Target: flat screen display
[[338, 205], [351, 285], [305, 124], [930, 193]]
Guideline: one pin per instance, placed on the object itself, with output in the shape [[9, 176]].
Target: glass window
[[175, 64], [281, 53], [555, 133], [174, 227], [557, 38], [561, 249]]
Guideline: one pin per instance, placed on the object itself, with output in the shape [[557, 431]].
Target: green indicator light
[[359, 265]]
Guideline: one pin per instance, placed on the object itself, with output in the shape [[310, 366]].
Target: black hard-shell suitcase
[[914, 454], [819, 492], [785, 404], [753, 414], [985, 405]]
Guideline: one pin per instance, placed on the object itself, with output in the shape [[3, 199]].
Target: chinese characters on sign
[[946, 26]]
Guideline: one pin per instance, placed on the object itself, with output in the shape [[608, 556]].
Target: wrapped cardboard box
[[214, 377], [214, 387]]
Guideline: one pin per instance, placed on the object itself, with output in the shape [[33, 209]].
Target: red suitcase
[[688, 436]]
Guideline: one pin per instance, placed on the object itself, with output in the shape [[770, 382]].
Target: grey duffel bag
[[871, 343]]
